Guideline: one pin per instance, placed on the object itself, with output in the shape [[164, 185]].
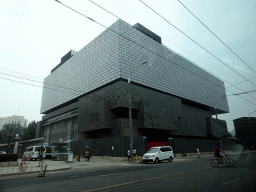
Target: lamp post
[[251, 127], [8, 134], [217, 125], [130, 114]]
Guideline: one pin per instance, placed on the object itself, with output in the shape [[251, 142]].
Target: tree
[[30, 132], [12, 128]]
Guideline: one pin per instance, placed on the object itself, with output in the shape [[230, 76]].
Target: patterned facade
[[111, 56], [86, 97]]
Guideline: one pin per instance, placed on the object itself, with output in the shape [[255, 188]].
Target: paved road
[[193, 175]]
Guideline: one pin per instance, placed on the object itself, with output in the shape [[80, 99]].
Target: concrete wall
[[159, 111], [23, 145], [188, 145], [103, 146]]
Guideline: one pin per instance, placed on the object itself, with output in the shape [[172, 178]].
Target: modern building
[[85, 98], [13, 119], [245, 130]]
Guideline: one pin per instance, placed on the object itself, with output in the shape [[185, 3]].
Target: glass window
[[153, 150]]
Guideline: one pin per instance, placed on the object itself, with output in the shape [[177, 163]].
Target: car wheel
[[170, 159], [156, 160]]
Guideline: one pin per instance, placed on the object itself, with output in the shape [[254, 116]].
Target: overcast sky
[[34, 35]]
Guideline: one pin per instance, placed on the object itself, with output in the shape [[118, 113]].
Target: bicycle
[[229, 162], [23, 166]]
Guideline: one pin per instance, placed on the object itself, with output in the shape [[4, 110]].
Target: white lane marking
[[230, 181], [108, 174]]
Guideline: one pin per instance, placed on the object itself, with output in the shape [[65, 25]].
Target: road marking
[[143, 180], [108, 174], [230, 181]]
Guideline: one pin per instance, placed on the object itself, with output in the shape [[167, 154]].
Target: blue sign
[[46, 144]]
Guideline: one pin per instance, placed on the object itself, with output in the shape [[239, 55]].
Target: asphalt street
[[192, 175]]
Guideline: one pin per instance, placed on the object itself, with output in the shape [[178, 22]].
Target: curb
[[31, 172]]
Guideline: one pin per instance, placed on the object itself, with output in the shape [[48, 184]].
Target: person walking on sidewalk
[[128, 154], [134, 153], [87, 154], [198, 152], [41, 155]]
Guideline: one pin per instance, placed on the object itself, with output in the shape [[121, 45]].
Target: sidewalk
[[53, 166]]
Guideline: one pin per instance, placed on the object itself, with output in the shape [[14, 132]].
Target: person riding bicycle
[[217, 152]]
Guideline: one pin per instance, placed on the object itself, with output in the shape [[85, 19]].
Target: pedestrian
[[87, 154], [41, 155], [198, 152], [128, 153], [134, 153]]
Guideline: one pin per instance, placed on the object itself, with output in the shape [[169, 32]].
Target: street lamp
[[9, 134], [251, 127], [216, 119], [130, 114]]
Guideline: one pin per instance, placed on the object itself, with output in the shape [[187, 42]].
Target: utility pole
[[216, 122], [130, 114], [218, 128]]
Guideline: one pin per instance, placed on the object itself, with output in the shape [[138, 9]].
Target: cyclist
[[217, 152]]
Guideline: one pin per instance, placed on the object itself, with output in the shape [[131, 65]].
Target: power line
[[242, 82], [19, 73], [162, 56], [144, 47], [63, 87], [83, 92], [104, 98], [196, 42], [246, 92], [216, 36]]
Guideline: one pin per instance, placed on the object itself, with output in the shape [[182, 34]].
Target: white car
[[2, 152], [32, 153], [156, 154]]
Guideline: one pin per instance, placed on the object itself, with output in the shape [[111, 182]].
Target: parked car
[[32, 153], [2, 152], [156, 154]]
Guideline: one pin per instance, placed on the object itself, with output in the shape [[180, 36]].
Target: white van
[[156, 154], [32, 153]]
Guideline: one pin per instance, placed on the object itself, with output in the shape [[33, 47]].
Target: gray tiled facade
[[86, 97], [111, 56]]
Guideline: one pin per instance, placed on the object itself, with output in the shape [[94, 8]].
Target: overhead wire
[[216, 36], [196, 42], [64, 87], [19, 73], [162, 56], [156, 108], [141, 45]]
